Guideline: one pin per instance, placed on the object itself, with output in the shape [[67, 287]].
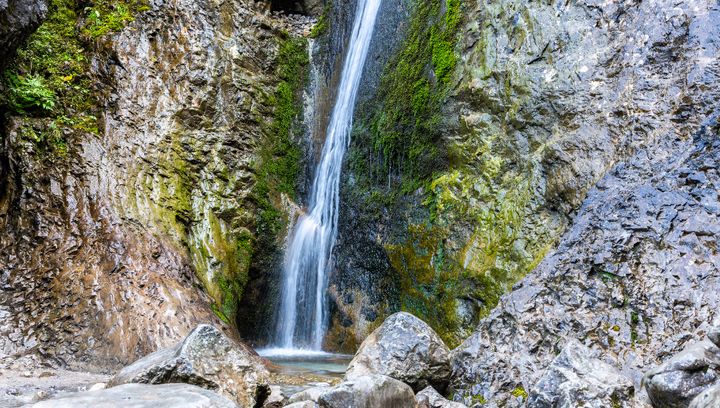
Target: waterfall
[[303, 309]]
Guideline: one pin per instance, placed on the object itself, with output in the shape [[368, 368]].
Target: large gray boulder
[[206, 358], [371, 391], [429, 398], [142, 396], [405, 348], [710, 398], [675, 383], [310, 394], [575, 379]]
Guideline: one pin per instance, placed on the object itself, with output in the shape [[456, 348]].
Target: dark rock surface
[[676, 382], [576, 378], [206, 358], [404, 348], [142, 396], [18, 19]]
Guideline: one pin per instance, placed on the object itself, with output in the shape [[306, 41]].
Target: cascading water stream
[[303, 309]]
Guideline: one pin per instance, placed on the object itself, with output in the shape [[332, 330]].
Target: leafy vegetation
[[49, 76]]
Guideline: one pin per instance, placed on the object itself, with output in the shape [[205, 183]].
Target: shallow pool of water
[[298, 362]]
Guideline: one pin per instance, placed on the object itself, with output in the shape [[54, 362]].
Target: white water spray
[[303, 307]]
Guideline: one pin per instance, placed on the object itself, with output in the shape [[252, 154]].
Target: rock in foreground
[[371, 391], [407, 349], [429, 398], [206, 358], [708, 399], [142, 396], [576, 379], [675, 383]]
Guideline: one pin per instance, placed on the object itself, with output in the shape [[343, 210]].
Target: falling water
[[303, 308]]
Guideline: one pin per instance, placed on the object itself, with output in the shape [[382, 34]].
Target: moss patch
[[279, 165]]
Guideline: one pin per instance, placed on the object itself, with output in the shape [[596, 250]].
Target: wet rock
[[429, 398], [142, 396], [206, 358], [710, 398], [676, 382], [405, 348], [575, 378], [369, 391], [18, 19]]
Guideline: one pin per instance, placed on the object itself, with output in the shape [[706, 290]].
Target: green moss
[[405, 129], [519, 392], [279, 164], [323, 24], [431, 282], [105, 16]]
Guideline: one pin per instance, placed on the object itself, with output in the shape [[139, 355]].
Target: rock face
[[575, 378], [404, 348], [708, 399], [429, 398], [675, 383], [546, 99], [370, 391], [142, 396], [103, 249], [642, 244], [18, 18], [206, 358]]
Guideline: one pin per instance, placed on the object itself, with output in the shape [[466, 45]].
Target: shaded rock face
[[429, 398], [104, 252], [206, 358], [575, 378], [373, 391], [676, 382], [142, 396], [643, 243], [404, 348], [18, 19], [546, 99]]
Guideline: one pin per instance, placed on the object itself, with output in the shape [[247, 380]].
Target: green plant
[[29, 92]]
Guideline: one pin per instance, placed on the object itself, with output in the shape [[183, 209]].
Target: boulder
[[710, 398], [429, 398], [206, 358], [303, 404], [142, 396], [714, 335], [676, 382], [309, 394], [276, 399], [407, 349], [370, 391], [575, 379], [18, 19]]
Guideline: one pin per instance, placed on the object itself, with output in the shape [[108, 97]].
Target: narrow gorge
[[359, 203]]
